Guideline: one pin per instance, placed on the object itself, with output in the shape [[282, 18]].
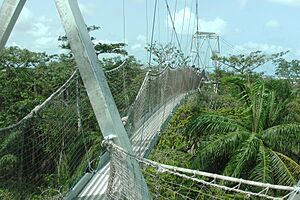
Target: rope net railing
[[47, 151], [170, 182], [50, 148], [159, 90], [157, 97], [124, 82]]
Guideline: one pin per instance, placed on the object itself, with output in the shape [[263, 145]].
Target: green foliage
[[243, 64], [64, 39], [288, 69], [117, 48], [167, 55], [43, 158], [246, 143], [6, 195], [31, 82]]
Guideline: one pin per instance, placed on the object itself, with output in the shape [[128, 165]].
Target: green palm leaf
[[287, 130], [273, 110], [282, 167], [217, 146], [284, 138], [257, 100], [244, 157], [262, 171], [212, 123]]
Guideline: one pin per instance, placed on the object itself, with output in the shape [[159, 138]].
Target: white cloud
[[242, 3], [217, 25], [141, 42], [141, 38], [287, 2], [39, 29], [38, 33], [136, 47], [184, 19], [26, 16], [272, 24], [264, 47]]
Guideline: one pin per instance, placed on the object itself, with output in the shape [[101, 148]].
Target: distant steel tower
[[204, 45]]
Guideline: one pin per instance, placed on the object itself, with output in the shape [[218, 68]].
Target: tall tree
[[288, 69], [242, 63], [167, 55]]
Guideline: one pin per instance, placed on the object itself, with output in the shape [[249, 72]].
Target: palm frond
[[245, 157], [287, 130], [257, 101], [213, 123], [284, 145], [218, 146], [281, 169], [292, 165], [273, 110], [262, 171]]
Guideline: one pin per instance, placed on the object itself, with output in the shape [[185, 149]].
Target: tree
[[167, 55], [242, 64], [100, 48], [288, 69], [15, 57], [28, 78], [117, 48], [256, 143], [64, 39]]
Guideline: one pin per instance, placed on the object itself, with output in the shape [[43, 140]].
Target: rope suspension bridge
[[103, 123]]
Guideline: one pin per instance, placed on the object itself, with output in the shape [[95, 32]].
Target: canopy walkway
[[58, 144]]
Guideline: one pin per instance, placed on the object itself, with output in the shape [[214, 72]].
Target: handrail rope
[[159, 73], [116, 68], [40, 106], [110, 145], [139, 93]]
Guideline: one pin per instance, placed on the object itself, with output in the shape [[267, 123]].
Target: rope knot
[[108, 141]]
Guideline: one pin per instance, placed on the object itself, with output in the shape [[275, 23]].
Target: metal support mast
[[204, 46], [9, 13]]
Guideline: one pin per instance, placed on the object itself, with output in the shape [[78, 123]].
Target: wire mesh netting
[[124, 82], [46, 152], [170, 182], [50, 148], [157, 91], [157, 97]]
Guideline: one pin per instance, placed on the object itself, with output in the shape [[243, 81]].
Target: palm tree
[[260, 145]]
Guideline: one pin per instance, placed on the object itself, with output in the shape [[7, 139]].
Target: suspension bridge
[[103, 131]]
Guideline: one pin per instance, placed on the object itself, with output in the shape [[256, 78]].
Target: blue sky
[[267, 25]]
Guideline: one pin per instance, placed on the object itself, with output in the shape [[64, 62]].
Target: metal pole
[[94, 80], [9, 13]]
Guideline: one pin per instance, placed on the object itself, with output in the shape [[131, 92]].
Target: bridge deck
[[141, 141]]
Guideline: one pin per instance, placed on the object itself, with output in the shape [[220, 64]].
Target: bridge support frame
[[204, 45], [9, 13], [89, 67]]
